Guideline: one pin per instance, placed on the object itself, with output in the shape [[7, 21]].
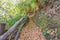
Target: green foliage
[[11, 21], [9, 3], [13, 12], [58, 24], [42, 21], [42, 1], [58, 31], [44, 32]]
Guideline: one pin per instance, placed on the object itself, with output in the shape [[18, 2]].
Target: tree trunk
[[20, 21], [2, 28]]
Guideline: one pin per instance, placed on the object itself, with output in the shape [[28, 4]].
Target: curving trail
[[31, 32]]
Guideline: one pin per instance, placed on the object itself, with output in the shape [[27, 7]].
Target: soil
[[31, 32]]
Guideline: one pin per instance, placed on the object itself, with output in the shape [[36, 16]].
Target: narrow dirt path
[[31, 32]]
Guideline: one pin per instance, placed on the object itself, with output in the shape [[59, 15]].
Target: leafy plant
[[42, 1], [58, 31], [58, 24], [44, 32], [13, 12], [42, 21]]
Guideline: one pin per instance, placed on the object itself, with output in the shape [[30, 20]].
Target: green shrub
[[42, 21], [42, 1], [58, 31]]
